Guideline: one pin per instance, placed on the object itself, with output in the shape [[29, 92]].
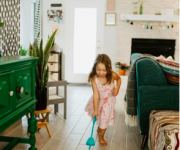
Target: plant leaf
[[1, 24], [47, 51], [46, 76], [41, 60]]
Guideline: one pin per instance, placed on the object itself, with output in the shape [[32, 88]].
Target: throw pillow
[[171, 70]]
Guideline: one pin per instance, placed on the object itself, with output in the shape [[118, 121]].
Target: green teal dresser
[[17, 97]]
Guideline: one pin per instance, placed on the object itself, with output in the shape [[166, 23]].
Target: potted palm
[[42, 70], [122, 67]]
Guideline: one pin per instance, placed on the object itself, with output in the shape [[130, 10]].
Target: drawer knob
[[11, 93], [20, 90]]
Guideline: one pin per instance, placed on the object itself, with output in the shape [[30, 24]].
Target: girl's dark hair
[[104, 59]]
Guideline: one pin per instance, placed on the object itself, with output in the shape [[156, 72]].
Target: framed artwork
[[55, 16], [110, 19], [110, 5]]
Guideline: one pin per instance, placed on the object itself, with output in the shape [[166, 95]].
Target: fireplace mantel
[[132, 17]]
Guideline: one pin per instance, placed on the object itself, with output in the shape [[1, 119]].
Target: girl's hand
[[95, 114], [118, 80], [115, 91]]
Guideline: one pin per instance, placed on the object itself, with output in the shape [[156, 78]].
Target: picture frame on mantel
[[110, 19]]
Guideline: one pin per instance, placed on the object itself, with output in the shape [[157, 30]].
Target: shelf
[[132, 17]]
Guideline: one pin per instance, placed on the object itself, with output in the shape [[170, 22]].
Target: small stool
[[164, 130], [57, 98], [41, 121]]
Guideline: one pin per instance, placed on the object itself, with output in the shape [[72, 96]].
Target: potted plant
[[42, 70], [122, 67], [23, 51], [140, 8], [135, 8]]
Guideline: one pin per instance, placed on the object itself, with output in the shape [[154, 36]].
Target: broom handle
[[94, 120]]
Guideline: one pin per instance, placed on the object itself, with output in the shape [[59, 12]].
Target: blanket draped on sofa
[[131, 94]]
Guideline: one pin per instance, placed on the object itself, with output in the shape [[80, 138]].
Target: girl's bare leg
[[98, 130], [101, 137]]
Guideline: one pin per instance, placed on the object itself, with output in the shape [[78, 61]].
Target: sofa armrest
[[148, 72], [161, 97]]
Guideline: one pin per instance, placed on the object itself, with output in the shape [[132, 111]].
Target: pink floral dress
[[106, 110]]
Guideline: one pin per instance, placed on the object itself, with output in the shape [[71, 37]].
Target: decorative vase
[[135, 12], [122, 72], [41, 96], [141, 9]]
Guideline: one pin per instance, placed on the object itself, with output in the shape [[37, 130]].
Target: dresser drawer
[[53, 66], [53, 58], [6, 97], [54, 76], [23, 86]]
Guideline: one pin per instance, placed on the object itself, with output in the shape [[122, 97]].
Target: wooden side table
[[42, 116]]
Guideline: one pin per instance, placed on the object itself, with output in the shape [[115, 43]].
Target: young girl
[[102, 102]]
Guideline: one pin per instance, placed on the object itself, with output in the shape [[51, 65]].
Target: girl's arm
[[118, 83], [95, 98]]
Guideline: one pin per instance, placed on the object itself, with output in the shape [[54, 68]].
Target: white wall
[[110, 43], [26, 22], [109, 38], [126, 32], [61, 38]]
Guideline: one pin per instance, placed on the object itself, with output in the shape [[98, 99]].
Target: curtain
[[38, 21]]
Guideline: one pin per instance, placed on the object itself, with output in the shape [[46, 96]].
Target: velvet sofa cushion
[[153, 97]]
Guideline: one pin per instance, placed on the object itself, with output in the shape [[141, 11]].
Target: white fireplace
[[126, 32]]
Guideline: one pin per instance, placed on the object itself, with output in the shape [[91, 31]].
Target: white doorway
[[85, 37]]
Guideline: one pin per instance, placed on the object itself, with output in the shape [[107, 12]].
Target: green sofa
[[153, 91]]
